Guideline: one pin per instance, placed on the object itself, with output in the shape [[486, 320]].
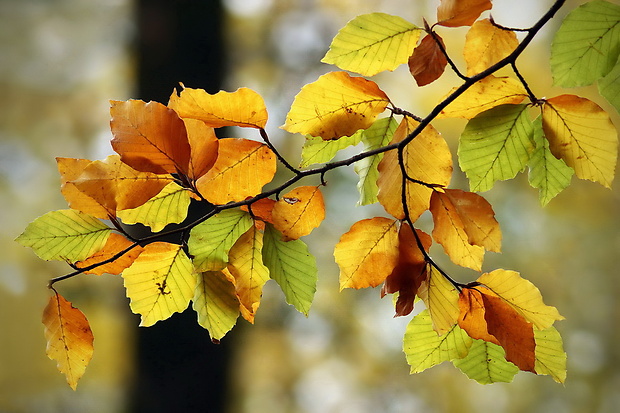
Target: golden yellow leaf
[[427, 63], [441, 299], [204, 146], [298, 212], [241, 170], [486, 44], [367, 253], [216, 303], [115, 244], [427, 158], [70, 169], [69, 338], [335, 105], [243, 107], [454, 13], [483, 95], [149, 137], [581, 133]]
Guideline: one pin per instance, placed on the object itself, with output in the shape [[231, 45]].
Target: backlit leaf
[[428, 62], [160, 282], [487, 44], [115, 244], [609, 87], [454, 13], [550, 355], [65, 235], [587, 44], [335, 105], [210, 241], [69, 338], [424, 348], [243, 107], [441, 299], [471, 317], [204, 146], [292, 267], [483, 95], [367, 253], [372, 43], [581, 133], [70, 169], [216, 303], [149, 137], [298, 212], [317, 150], [486, 364]]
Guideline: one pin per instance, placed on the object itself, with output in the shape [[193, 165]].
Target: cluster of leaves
[[169, 157]]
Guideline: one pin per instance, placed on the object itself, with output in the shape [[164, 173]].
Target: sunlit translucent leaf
[[609, 87], [317, 150], [441, 299], [70, 169], [249, 273], [298, 212], [116, 244], [522, 295], [69, 338], [292, 267], [486, 364], [243, 107], [454, 13], [424, 348], [471, 317], [581, 133], [427, 158], [241, 170], [204, 145], [65, 235], [587, 44], [367, 253], [335, 105], [550, 355], [167, 207], [160, 282], [261, 211], [210, 241], [149, 137], [547, 173], [486, 44], [428, 61], [372, 43], [378, 135], [216, 303], [496, 145], [483, 95]]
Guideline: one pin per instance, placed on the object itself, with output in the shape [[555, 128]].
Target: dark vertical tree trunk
[[178, 368]]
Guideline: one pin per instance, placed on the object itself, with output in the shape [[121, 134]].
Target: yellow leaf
[[454, 13], [550, 355], [240, 171], [335, 105], [441, 299], [70, 169], [367, 253], [427, 158], [522, 295], [115, 244], [215, 303], [160, 282], [250, 274], [243, 107], [69, 338], [204, 145], [581, 133], [483, 95], [298, 212], [486, 44]]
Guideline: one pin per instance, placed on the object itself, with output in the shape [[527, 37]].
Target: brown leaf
[[428, 62], [298, 212], [471, 317], [454, 13]]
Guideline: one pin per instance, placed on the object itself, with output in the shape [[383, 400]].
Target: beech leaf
[[216, 303], [609, 87], [454, 13], [317, 150], [298, 212], [441, 299], [116, 244], [550, 355], [204, 147], [487, 44], [428, 61], [70, 169], [486, 364]]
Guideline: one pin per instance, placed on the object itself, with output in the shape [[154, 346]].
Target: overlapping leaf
[[372, 43], [486, 364], [335, 105], [318, 150], [204, 146], [454, 13], [298, 212], [70, 169], [216, 303], [428, 61], [550, 355], [116, 244], [441, 299], [487, 44]]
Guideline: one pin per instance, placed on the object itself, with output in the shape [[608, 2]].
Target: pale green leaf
[[65, 235], [215, 303], [609, 87], [550, 355], [372, 43], [317, 150], [486, 363]]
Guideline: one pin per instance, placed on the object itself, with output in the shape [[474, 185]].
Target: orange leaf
[[204, 145], [149, 137], [454, 13], [70, 169], [486, 44], [69, 338], [298, 212], [241, 170], [471, 317], [428, 62], [262, 209], [115, 244], [243, 107]]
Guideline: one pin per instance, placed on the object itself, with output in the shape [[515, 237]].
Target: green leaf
[[372, 43], [486, 364], [317, 150], [215, 303], [609, 87], [65, 235], [424, 348], [547, 173], [210, 241], [167, 207], [378, 135], [550, 355], [587, 45], [292, 267], [495, 145]]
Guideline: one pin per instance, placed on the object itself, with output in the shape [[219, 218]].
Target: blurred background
[[60, 63]]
